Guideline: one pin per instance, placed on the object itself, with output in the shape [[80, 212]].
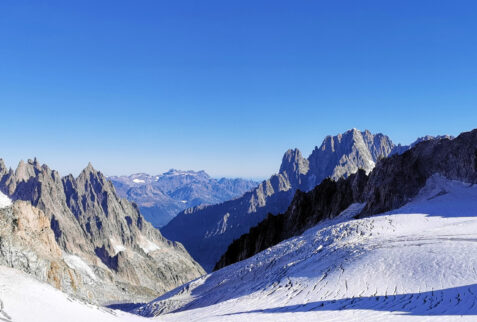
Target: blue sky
[[226, 86]]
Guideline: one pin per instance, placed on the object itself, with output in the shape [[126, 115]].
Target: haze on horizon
[[226, 87]]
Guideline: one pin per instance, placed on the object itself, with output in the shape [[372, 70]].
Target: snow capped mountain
[[414, 262], [161, 197], [207, 231]]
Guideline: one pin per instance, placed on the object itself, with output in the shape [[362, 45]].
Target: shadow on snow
[[451, 301]]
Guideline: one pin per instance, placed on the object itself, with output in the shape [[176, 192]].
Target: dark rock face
[[327, 200], [163, 196], [393, 182], [400, 149], [210, 229], [101, 240], [400, 177]]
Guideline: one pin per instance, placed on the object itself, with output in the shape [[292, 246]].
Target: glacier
[[417, 262]]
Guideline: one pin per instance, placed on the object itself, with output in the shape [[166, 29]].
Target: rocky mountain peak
[[89, 169], [214, 227], [108, 251], [26, 170], [3, 168], [90, 176], [293, 163], [343, 154]]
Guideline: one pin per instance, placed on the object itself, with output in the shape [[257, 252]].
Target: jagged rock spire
[[107, 234]]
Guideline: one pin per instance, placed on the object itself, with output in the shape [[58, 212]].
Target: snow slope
[[416, 263], [24, 299]]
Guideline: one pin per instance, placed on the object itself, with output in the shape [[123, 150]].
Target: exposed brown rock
[[77, 234]]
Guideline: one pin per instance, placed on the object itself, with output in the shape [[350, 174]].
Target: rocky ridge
[[210, 229], [78, 235], [393, 182]]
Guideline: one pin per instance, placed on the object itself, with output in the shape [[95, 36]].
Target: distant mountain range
[[207, 231], [161, 197]]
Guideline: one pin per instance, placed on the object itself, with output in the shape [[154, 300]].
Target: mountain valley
[[163, 196]]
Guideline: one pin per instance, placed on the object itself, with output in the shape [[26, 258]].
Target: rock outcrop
[[77, 234]]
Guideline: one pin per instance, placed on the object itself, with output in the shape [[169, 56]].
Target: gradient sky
[[226, 86]]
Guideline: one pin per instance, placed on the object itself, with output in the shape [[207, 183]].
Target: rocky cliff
[[77, 234]]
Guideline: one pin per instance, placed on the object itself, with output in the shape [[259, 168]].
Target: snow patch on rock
[[117, 247], [77, 263], [4, 201], [147, 246]]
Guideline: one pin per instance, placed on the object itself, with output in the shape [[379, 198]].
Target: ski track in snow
[[415, 263]]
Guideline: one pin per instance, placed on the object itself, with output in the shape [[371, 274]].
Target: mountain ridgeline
[[163, 196], [210, 229], [78, 235], [393, 182]]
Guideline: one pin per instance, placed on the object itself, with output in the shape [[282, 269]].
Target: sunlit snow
[[77, 263], [418, 262], [22, 298]]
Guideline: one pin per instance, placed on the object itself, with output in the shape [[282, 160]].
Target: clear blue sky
[[226, 86]]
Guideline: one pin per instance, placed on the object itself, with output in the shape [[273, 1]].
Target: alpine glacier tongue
[[412, 262]]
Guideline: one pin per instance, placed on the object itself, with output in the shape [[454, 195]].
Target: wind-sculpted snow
[[417, 262]]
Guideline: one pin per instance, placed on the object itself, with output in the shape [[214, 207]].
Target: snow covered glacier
[[415, 263]]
